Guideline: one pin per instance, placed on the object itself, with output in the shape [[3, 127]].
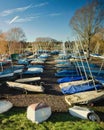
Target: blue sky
[[39, 18]]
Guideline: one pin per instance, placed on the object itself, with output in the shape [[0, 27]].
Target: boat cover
[[69, 79], [80, 88]]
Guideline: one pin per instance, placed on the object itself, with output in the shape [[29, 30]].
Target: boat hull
[[32, 88], [5, 106], [84, 97]]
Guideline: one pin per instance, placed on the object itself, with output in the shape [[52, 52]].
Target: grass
[[15, 119]]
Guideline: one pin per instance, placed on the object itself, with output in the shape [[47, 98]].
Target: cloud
[[11, 11], [21, 9], [13, 20], [41, 4], [55, 14], [26, 19]]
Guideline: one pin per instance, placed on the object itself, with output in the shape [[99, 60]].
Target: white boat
[[79, 82], [18, 71], [80, 112], [5, 106], [35, 69], [95, 55], [37, 61], [84, 113], [32, 56], [28, 87], [26, 80], [58, 60], [38, 112], [84, 97]]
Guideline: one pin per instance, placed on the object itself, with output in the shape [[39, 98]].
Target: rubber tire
[[93, 117]]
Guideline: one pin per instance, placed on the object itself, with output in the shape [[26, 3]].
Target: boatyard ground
[[60, 118]]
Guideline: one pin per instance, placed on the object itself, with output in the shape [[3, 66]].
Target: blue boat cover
[[31, 72], [66, 71], [69, 79], [80, 88], [66, 74], [35, 66]]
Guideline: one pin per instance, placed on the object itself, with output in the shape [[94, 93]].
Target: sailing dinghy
[[80, 88], [28, 87], [84, 97], [70, 78], [80, 82], [5, 106], [84, 113], [27, 80]]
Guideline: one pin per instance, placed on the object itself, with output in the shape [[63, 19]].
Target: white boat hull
[[32, 88], [79, 82], [80, 112], [35, 69], [84, 97], [38, 115], [26, 80], [5, 106]]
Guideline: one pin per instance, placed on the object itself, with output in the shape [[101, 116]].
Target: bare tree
[[87, 21], [15, 36], [3, 43]]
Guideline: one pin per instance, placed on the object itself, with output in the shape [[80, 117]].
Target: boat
[[63, 57], [5, 61], [79, 82], [5, 106], [84, 97], [16, 69], [94, 71], [95, 55], [66, 65], [80, 88], [38, 112], [61, 62], [65, 72], [84, 113], [27, 87], [81, 112], [70, 78], [23, 61], [6, 73], [37, 60], [58, 61], [33, 70], [35, 66], [85, 64], [44, 56], [100, 80], [27, 80]]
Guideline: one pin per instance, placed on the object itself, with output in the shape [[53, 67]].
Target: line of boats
[[80, 81], [25, 67], [74, 77]]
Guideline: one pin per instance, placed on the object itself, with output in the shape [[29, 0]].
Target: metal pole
[[87, 64], [81, 61]]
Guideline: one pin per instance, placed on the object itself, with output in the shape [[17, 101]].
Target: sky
[[39, 18]]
